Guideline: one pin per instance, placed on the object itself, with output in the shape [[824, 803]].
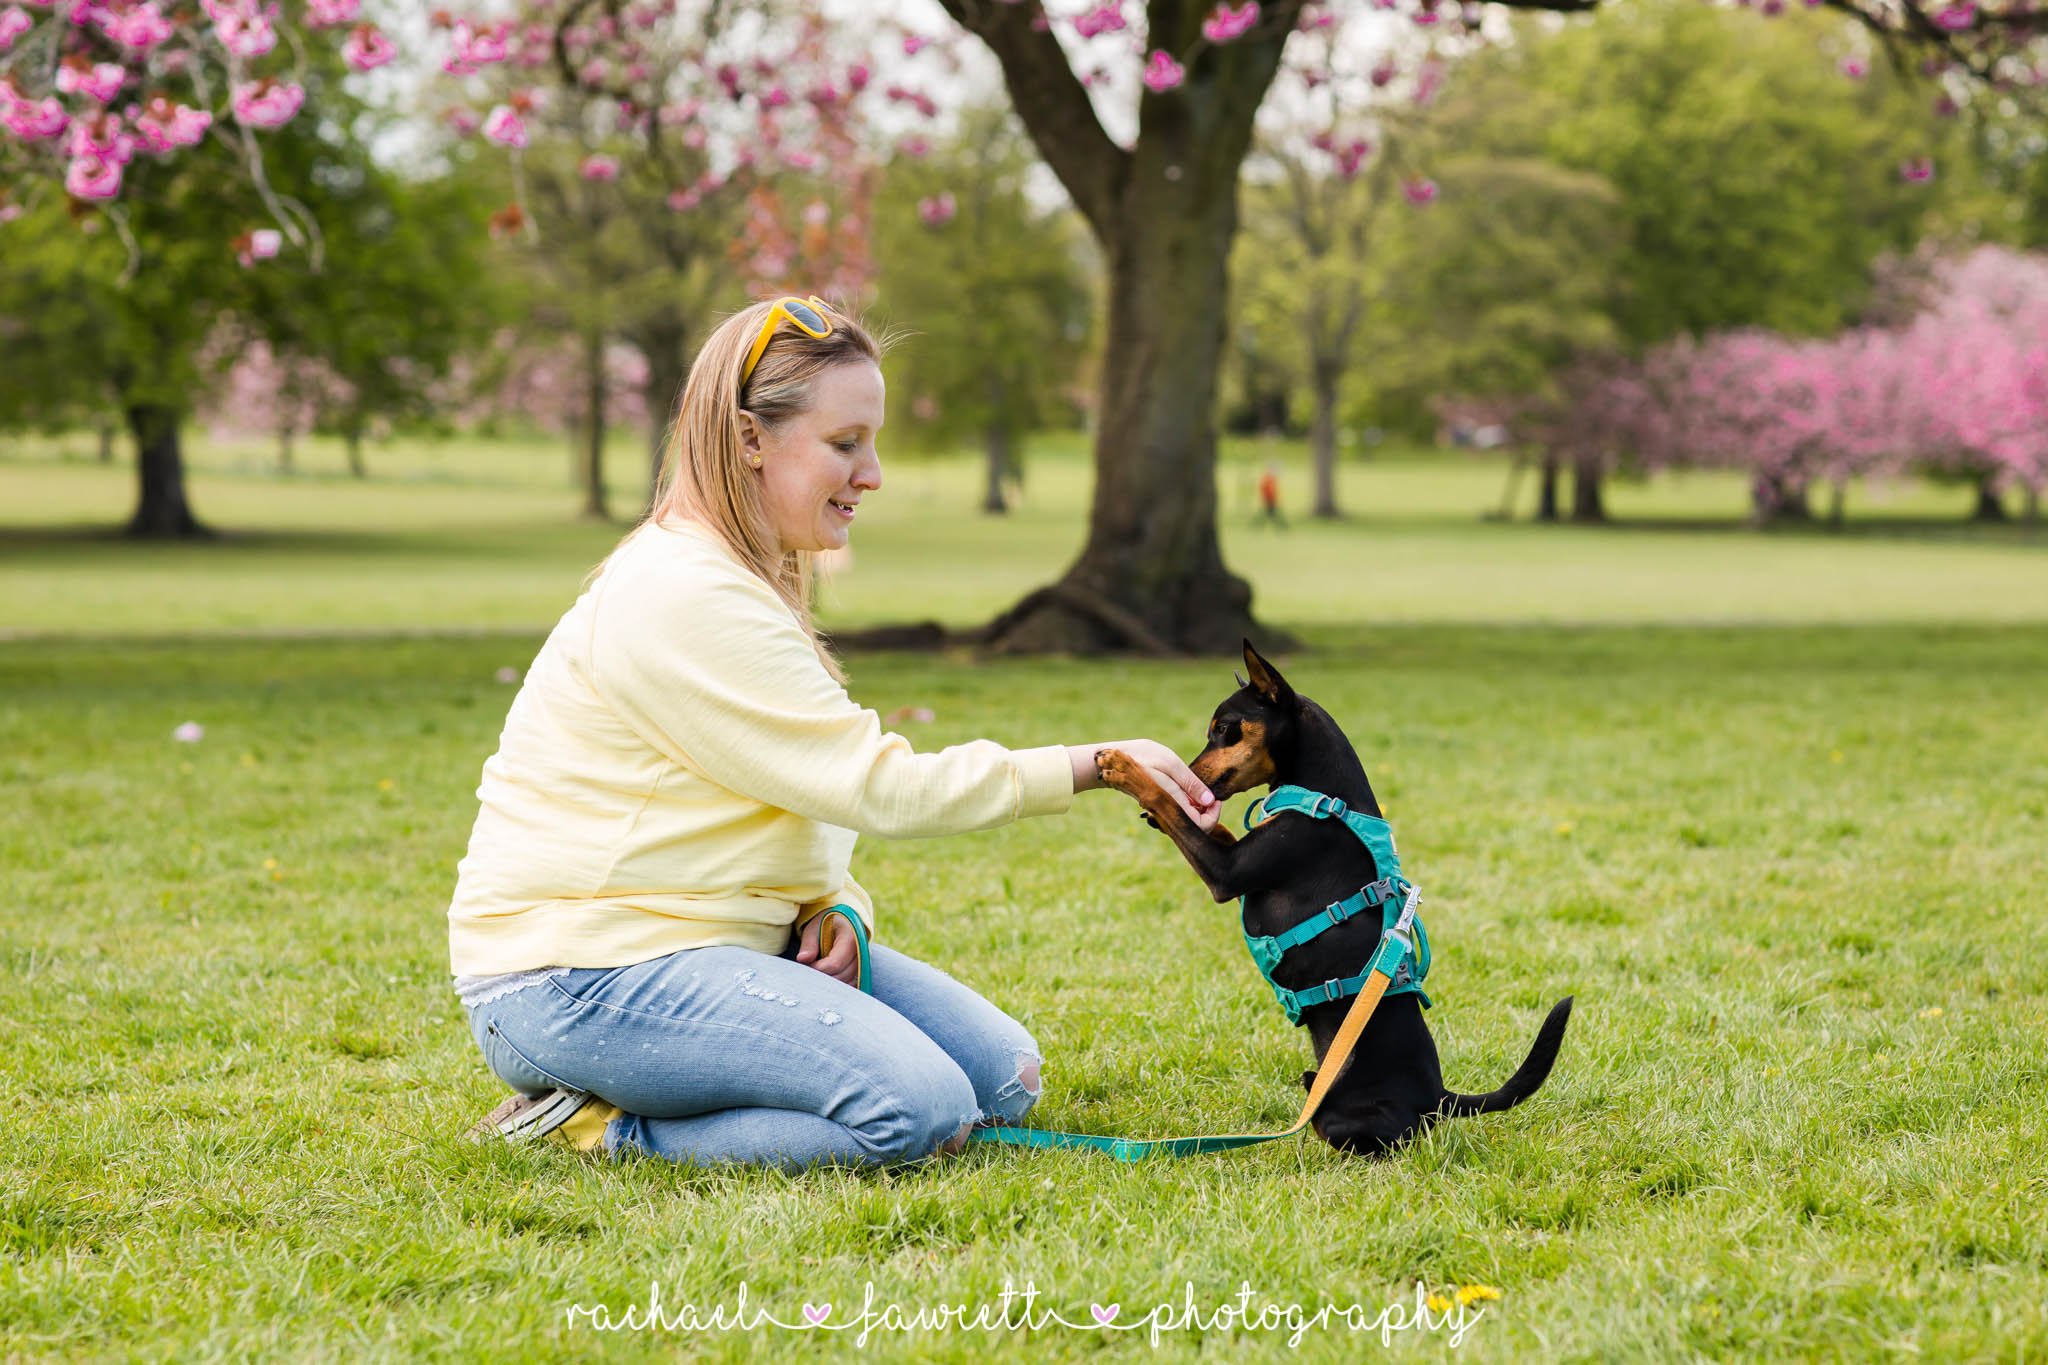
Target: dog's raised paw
[[1116, 769]]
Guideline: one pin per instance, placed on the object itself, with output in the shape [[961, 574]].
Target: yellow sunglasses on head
[[809, 316]]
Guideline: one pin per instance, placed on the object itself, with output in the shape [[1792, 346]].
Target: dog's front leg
[[1214, 855]]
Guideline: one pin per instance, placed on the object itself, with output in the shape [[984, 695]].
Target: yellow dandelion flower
[[248, 760], [1931, 1012], [270, 864], [1564, 827], [385, 784], [1475, 1293], [1437, 1303], [1834, 755]]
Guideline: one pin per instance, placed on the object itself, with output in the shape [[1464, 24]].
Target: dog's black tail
[[1528, 1077]]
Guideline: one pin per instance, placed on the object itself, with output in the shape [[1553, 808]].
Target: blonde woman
[[675, 798]]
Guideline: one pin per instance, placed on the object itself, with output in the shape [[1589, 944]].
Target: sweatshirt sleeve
[[851, 893], [711, 669]]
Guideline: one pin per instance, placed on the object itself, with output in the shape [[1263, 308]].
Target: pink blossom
[[1104, 18], [1383, 73], [1918, 170], [367, 48], [102, 138], [1853, 67], [1162, 73], [1225, 24], [1351, 157], [245, 35], [505, 128], [775, 98], [914, 146], [599, 167], [1419, 191], [267, 103], [260, 244], [857, 77], [14, 22], [138, 29], [594, 71], [1314, 17], [88, 177], [914, 43], [937, 210], [9, 212], [473, 50], [191, 732], [682, 201], [801, 161], [331, 13], [674, 115], [1955, 18], [463, 121], [164, 125], [99, 81], [32, 119]]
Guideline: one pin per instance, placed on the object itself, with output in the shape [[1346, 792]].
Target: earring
[[755, 461]]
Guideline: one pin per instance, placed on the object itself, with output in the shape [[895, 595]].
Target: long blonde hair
[[705, 474]]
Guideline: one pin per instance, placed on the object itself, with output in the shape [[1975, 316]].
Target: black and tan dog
[[1291, 867]]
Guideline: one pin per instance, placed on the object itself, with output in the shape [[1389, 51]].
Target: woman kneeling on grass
[[675, 797]]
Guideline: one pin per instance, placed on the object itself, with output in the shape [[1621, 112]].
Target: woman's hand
[[1166, 769], [841, 964]]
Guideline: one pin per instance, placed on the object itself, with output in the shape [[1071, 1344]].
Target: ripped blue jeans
[[729, 1055]]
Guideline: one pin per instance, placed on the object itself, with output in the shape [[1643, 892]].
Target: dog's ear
[[1266, 679]]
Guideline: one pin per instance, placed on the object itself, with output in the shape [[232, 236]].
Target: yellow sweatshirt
[[679, 770]]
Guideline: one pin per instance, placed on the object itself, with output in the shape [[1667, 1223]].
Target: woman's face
[[816, 467]]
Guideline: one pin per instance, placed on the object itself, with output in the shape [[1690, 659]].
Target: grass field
[[453, 537], [1789, 868]]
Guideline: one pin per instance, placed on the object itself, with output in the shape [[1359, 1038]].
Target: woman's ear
[[751, 432]]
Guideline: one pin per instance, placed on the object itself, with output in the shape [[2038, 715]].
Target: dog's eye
[[1224, 732]]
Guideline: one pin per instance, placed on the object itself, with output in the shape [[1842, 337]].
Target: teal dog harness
[[1391, 893]]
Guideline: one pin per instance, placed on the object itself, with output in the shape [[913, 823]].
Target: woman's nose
[[868, 474]]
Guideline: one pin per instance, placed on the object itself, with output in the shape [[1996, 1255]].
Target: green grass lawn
[[480, 537], [1789, 870]]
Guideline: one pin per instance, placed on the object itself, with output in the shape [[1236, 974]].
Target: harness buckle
[[1331, 989], [1331, 805]]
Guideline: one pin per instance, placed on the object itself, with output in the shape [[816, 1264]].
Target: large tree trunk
[[1587, 502], [591, 471], [1990, 507], [662, 341], [161, 512], [1151, 575], [1322, 439], [1549, 474]]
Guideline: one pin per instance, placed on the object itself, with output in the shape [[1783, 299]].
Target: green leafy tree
[[992, 290]]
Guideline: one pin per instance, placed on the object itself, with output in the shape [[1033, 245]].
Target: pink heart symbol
[[1104, 1316], [816, 1313]]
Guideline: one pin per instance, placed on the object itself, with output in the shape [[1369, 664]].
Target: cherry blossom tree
[[1957, 390]]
